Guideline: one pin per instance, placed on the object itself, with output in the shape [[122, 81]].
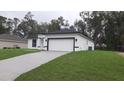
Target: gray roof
[[67, 32], [12, 38], [58, 32], [61, 31]]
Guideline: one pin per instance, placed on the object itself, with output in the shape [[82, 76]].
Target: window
[[90, 48], [33, 42]]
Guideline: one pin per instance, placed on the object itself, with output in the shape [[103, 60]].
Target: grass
[[8, 53], [88, 65]]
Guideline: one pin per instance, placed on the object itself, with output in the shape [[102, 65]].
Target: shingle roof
[[58, 32], [61, 31], [66, 32]]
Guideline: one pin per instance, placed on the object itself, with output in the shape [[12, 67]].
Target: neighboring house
[[61, 41], [10, 41]]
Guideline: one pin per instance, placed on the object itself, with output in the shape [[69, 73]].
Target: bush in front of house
[[11, 47]]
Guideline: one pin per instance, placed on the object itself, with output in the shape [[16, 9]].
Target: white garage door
[[60, 45]]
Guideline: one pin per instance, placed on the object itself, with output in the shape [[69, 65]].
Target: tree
[[3, 28], [23, 28], [28, 24], [107, 27], [16, 23], [28, 16], [10, 25], [96, 26], [54, 26], [86, 16], [72, 28], [80, 25], [66, 23], [43, 27], [61, 20]]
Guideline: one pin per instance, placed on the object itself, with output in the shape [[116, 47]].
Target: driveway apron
[[11, 68]]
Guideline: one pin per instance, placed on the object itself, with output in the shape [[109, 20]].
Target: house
[[9, 41], [61, 41]]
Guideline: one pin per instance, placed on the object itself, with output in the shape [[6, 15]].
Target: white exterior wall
[[82, 43], [39, 44], [91, 44], [30, 44]]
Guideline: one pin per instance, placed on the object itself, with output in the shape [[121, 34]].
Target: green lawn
[[8, 53], [88, 65]]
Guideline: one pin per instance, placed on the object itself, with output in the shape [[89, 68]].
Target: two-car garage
[[61, 44]]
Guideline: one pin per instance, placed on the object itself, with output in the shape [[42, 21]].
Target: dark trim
[[76, 46], [61, 38], [45, 33], [47, 44], [73, 44], [34, 42]]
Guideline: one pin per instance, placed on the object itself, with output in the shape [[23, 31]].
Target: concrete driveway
[[11, 68], [121, 53]]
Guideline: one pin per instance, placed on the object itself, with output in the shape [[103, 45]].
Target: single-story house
[[61, 41], [9, 41]]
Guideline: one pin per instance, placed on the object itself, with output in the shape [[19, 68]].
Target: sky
[[44, 16]]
